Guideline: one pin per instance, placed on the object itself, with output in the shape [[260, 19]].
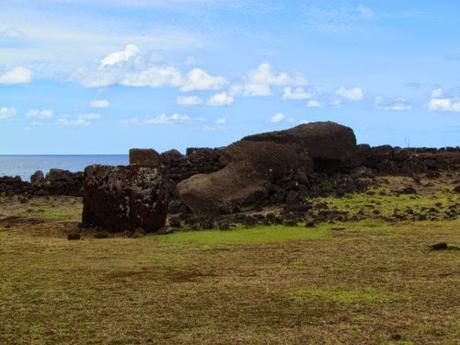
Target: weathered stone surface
[[38, 178], [251, 167], [64, 182], [329, 144], [125, 198], [144, 157]]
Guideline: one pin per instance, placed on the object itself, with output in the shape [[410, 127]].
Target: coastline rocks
[[125, 198], [64, 182], [254, 163], [38, 178]]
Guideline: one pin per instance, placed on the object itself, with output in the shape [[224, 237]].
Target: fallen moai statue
[[254, 162]]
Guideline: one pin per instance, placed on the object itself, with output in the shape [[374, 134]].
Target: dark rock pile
[[56, 182]]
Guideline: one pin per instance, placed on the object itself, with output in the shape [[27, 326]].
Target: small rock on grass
[[439, 246], [73, 236]]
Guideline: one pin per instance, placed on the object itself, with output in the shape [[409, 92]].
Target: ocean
[[25, 165]]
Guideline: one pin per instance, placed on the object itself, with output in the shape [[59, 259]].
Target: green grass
[[388, 202], [340, 296], [240, 235]]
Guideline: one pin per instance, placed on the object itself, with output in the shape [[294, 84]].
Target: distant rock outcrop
[[125, 198]]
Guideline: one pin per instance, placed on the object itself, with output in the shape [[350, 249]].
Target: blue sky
[[103, 76]]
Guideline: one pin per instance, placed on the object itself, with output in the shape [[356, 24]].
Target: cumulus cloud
[[161, 119], [199, 80], [6, 113], [277, 118], [259, 82], [18, 75], [397, 104], [188, 101], [40, 114], [353, 94], [440, 102], [313, 103], [117, 57], [82, 120], [220, 99], [297, 93], [155, 76], [99, 103], [265, 75]]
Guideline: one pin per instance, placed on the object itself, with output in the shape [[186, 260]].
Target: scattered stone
[[73, 236], [439, 246], [457, 189]]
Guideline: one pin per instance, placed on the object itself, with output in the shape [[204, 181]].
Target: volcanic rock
[[144, 157], [255, 162], [38, 178], [125, 198]]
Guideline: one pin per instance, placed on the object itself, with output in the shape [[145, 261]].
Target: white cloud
[[6, 113], [18, 75], [366, 12], [297, 93], [440, 102], [397, 104], [220, 99], [444, 104], [198, 80], [188, 101], [313, 103], [82, 120], [264, 75], [40, 114], [117, 57], [251, 90], [221, 121], [277, 118], [154, 76], [99, 103], [161, 119], [354, 94], [259, 82]]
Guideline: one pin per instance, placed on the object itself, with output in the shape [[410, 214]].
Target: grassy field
[[367, 282]]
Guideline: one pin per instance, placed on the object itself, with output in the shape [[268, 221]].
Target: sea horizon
[[24, 165]]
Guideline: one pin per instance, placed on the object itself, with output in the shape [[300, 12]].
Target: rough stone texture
[[125, 198], [329, 144], [38, 178], [250, 168], [144, 157], [64, 182]]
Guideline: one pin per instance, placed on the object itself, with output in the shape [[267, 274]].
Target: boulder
[[38, 178], [144, 157], [254, 163], [125, 198]]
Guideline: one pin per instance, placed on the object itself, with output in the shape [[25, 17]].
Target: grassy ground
[[354, 283]]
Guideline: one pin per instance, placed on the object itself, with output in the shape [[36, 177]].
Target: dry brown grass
[[368, 283]]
